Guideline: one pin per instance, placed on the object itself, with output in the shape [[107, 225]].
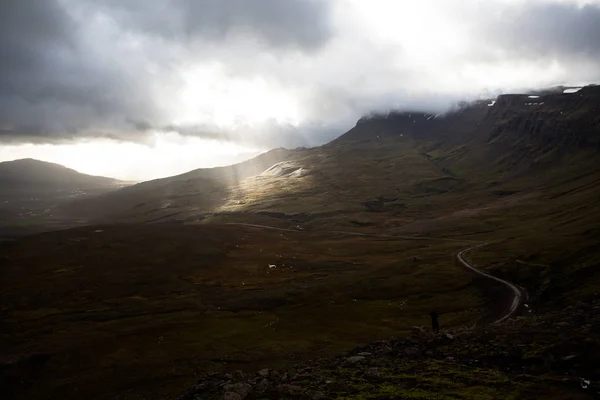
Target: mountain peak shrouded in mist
[[175, 75]]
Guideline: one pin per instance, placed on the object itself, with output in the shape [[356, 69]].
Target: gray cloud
[[554, 30], [52, 87], [72, 69], [302, 24], [68, 71]]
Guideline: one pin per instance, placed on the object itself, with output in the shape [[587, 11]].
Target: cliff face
[[515, 130], [560, 121], [555, 118], [418, 125]]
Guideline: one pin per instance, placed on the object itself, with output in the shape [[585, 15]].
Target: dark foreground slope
[[136, 311], [550, 356]]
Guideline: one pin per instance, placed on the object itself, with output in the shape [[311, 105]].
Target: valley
[[207, 298], [304, 254]]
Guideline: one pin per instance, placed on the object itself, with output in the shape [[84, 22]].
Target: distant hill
[[403, 164], [200, 189], [29, 174]]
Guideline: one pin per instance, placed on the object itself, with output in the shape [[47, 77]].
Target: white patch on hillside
[[289, 169]]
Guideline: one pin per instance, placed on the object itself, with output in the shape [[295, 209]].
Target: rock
[[264, 373], [232, 396], [313, 395], [262, 386], [241, 388], [373, 373], [419, 333], [274, 375], [288, 389], [238, 376], [305, 382], [582, 305], [376, 361], [384, 351], [365, 354], [411, 352], [355, 359], [337, 387]]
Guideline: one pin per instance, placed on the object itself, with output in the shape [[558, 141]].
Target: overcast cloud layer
[[271, 73]]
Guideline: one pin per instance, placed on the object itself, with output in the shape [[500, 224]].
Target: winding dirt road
[[517, 292]]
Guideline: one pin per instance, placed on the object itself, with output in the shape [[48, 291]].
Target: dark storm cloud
[[554, 30], [61, 80], [72, 69], [51, 86], [304, 24]]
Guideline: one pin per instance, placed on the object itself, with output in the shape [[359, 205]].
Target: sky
[[138, 89]]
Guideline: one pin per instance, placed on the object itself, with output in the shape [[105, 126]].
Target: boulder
[[290, 390], [314, 395], [383, 351], [355, 359], [264, 373], [241, 388], [373, 373], [238, 376], [262, 386], [232, 396], [419, 333]]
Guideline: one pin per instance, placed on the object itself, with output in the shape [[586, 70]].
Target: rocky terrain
[[547, 356]]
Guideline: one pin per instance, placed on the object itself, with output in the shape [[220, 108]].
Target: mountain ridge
[[27, 172], [473, 144], [187, 274]]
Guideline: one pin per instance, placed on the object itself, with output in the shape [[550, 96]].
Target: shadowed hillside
[[30, 174], [31, 190]]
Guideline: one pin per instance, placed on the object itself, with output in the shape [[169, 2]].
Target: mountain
[[394, 163], [30, 174], [172, 278], [511, 167], [31, 190], [157, 199]]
